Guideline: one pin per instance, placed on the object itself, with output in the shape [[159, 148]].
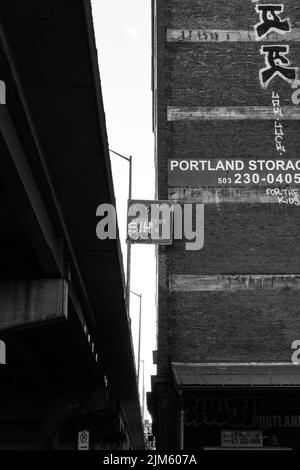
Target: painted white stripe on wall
[[230, 113], [219, 35], [251, 195], [231, 283]]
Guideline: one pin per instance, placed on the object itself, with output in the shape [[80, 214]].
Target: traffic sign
[[83, 440]]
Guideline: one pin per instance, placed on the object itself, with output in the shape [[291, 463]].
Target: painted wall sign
[[277, 421], [241, 439], [234, 172]]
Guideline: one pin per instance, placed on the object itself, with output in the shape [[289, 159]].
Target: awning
[[199, 375]]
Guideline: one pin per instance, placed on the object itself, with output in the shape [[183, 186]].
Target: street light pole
[[143, 391], [128, 261], [140, 329]]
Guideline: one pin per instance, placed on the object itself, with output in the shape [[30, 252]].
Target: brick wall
[[241, 327], [240, 238]]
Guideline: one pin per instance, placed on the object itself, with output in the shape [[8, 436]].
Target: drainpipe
[[181, 422]]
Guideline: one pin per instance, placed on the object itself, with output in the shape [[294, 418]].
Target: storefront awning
[[199, 375]]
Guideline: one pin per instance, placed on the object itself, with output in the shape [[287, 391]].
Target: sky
[[123, 40]]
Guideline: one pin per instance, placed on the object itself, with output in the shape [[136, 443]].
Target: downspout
[[181, 422]]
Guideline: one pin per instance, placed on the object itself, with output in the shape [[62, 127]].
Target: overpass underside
[[62, 308]]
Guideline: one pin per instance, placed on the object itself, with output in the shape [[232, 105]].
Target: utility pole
[[140, 329], [128, 263]]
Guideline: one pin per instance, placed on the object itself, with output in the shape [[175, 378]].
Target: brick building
[[225, 97]]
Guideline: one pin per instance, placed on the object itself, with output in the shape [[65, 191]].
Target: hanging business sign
[[238, 172], [150, 222]]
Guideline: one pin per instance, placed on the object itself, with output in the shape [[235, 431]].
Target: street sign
[[83, 440], [150, 222], [241, 439]]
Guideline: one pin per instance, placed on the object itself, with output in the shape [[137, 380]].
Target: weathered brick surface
[[215, 139], [243, 239], [190, 84], [218, 14], [239, 239], [242, 327]]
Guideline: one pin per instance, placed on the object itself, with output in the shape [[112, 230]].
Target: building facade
[[226, 122]]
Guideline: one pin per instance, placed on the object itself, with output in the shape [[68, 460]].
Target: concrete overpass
[[69, 353]]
